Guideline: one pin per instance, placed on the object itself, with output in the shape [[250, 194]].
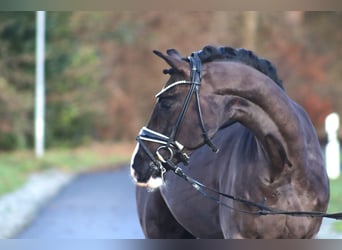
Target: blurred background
[[101, 74], [101, 77]]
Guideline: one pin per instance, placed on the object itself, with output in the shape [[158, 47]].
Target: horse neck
[[255, 101]]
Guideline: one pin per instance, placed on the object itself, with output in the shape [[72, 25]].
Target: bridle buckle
[[166, 149]]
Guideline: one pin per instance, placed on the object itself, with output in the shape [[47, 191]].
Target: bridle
[[168, 144]]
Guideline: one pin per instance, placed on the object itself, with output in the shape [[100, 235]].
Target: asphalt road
[[98, 205]]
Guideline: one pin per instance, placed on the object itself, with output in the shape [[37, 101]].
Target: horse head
[[181, 121]]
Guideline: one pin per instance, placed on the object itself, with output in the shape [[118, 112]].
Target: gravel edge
[[18, 208]]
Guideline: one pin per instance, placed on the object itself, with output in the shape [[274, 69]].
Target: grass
[[15, 167], [335, 204]]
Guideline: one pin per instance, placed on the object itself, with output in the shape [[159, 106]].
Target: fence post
[[332, 149], [40, 84]]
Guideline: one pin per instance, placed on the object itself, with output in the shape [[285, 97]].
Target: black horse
[[269, 154]]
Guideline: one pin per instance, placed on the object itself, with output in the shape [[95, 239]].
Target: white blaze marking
[[134, 153], [132, 162]]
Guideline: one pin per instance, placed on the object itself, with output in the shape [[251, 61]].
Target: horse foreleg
[[155, 217]]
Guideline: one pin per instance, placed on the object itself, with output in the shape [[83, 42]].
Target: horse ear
[[174, 59]]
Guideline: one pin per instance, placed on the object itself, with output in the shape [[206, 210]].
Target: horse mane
[[211, 53]]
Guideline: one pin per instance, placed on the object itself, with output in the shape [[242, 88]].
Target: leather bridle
[[168, 144]]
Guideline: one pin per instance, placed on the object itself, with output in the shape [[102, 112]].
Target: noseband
[[168, 144]]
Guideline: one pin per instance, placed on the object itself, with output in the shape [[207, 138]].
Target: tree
[[16, 78], [101, 74]]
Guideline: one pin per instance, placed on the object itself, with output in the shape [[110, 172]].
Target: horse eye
[[165, 103]]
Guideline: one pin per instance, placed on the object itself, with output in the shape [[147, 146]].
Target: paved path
[[101, 205], [98, 205]]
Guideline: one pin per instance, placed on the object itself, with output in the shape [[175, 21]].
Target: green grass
[[15, 167], [335, 204]]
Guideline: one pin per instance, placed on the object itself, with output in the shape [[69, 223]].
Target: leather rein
[[173, 148]]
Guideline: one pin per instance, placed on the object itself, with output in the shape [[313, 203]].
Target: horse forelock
[[212, 53]]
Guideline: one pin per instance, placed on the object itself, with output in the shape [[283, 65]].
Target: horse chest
[[192, 210]]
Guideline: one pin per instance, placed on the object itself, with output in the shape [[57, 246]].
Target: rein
[[262, 208]]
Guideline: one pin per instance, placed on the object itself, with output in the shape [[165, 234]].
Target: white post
[[40, 84], [332, 150]]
